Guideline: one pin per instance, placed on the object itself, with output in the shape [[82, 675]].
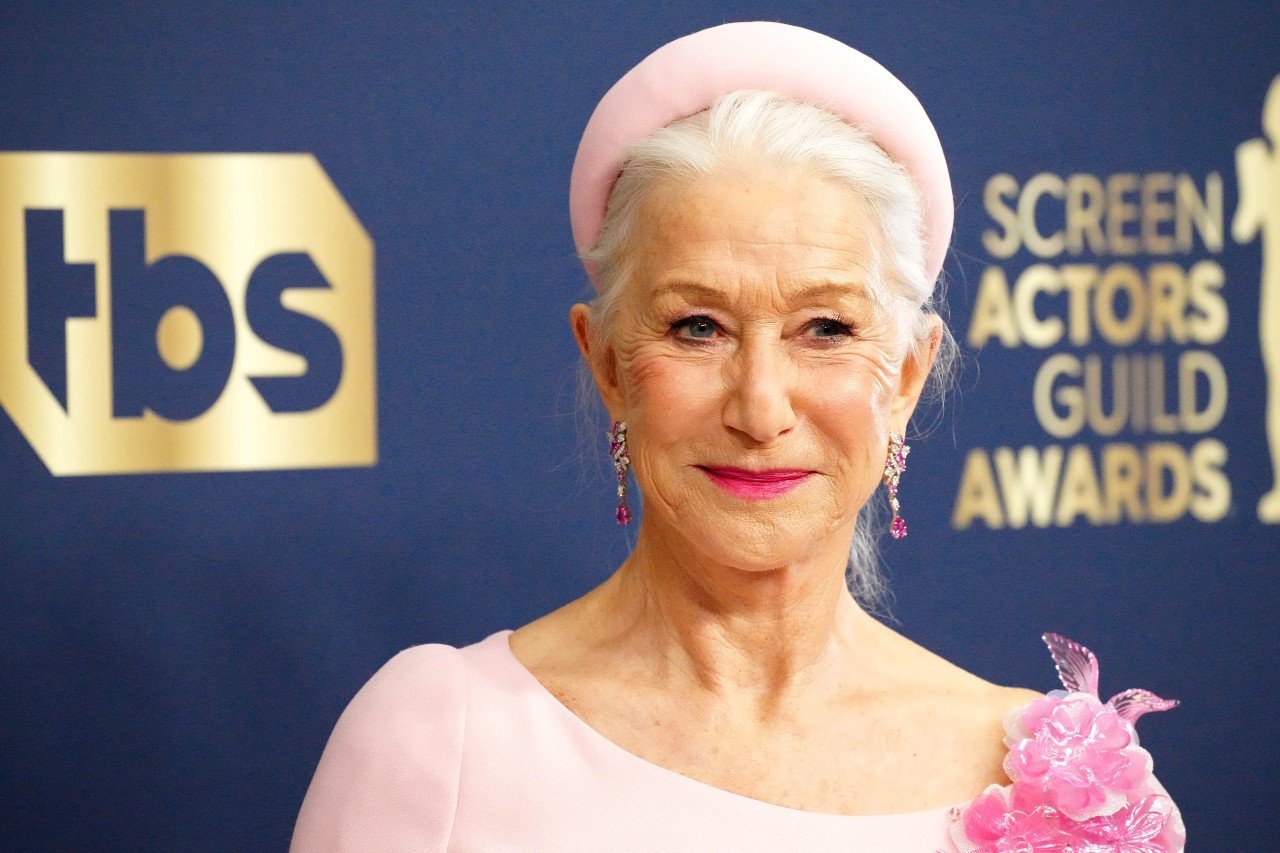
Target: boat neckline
[[502, 639]]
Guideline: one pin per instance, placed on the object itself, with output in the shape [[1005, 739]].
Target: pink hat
[[683, 77]]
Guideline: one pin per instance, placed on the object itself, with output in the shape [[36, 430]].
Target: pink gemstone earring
[[895, 463], [621, 462]]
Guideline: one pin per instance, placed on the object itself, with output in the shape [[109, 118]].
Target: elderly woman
[[763, 212]]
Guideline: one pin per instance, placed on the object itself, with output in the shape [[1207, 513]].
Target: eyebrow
[[695, 292]]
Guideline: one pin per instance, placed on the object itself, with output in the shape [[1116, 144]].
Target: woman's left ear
[[915, 370]]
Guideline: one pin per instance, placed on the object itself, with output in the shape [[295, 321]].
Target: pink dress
[[465, 750]]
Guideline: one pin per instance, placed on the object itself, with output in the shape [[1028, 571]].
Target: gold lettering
[[1099, 421], [1080, 495], [1203, 363], [1138, 367], [1168, 311], [1035, 279], [1212, 496], [1069, 396], [1122, 482], [1203, 214], [978, 496], [1079, 279], [1086, 203], [1162, 421], [993, 311], [1208, 323], [1001, 245], [1036, 243], [1115, 279], [1028, 483], [1166, 457], [1121, 213], [1156, 212]]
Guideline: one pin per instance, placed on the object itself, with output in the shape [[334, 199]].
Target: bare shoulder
[[932, 666], [1017, 697], [941, 709], [970, 702], [572, 642], [977, 708], [544, 643]]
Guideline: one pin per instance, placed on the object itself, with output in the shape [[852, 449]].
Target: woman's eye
[[828, 328], [700, 327]]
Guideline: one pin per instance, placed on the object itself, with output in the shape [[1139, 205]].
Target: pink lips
[[756, 485]]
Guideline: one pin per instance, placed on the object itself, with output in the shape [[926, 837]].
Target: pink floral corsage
[[1080, 781]]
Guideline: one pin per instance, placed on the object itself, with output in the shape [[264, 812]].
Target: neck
[[734, 630]]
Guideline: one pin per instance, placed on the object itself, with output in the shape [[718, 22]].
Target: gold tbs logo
[[184, 312]]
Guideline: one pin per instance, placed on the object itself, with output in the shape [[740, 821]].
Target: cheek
[[849, 409], [671, 407], [853, 396], [672, 410], [659, 382]]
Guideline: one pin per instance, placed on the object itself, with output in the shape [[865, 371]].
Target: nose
[[760, 377]]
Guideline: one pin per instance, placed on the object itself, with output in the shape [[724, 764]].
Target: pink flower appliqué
[[1081, 782], [998, 821], [1142, 827], [1078, 753]]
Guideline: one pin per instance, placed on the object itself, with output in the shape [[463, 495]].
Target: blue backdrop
[[177, 646]]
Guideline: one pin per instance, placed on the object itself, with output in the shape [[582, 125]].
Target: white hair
[[778, 130]]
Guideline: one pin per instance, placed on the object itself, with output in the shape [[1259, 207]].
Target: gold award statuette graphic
[[184, 312], [1258, 172]]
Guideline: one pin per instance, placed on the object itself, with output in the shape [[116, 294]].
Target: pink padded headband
[[683, 77]]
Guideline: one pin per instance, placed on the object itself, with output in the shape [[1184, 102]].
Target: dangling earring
[[894, 465], [621, 462]]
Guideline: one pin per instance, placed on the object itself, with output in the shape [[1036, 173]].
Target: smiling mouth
[[755, 485]]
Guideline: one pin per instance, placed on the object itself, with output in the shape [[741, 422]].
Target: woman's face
[[747, 339]]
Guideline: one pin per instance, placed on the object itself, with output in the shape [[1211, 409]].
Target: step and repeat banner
[[288, 385]]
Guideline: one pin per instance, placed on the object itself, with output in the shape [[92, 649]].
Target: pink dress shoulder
[[465, 750]]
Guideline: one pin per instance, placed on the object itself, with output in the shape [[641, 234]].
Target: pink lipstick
[[755, 485]]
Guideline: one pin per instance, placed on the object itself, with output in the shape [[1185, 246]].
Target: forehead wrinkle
[[807, 291], [803, 242], [689, 211], [677, 233], [812, 253]]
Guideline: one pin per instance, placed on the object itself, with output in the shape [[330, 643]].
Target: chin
[[752, 546]]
